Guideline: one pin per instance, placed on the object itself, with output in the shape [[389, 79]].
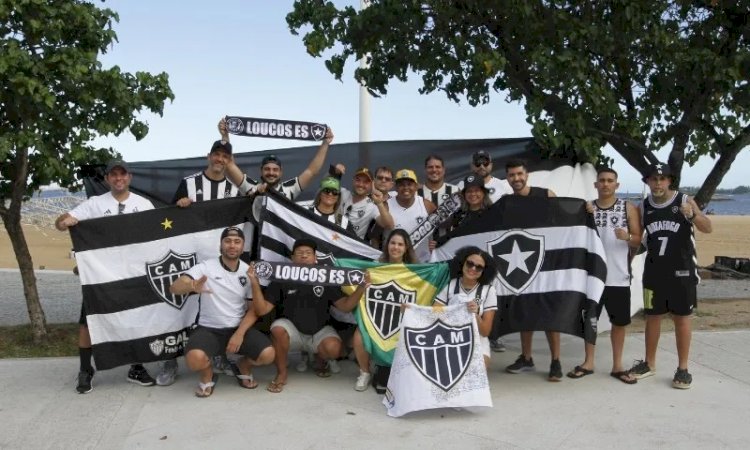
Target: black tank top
[[670, 242], [537, 192]]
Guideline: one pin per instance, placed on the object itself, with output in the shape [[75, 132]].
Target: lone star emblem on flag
[[516, 259], [167, 224]]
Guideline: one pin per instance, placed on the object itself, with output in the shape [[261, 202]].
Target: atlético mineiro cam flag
[[126, 265], [275, 128], [551, 266]]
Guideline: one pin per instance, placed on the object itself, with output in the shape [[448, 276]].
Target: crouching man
[[226, 318]]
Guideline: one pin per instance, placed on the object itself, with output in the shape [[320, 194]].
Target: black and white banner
[[432, 222], [282, 222], [274, 128], [551, 265], [308, 274], [438, 362], [126, 265]]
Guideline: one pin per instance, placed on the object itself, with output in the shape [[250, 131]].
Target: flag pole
[[364, 109]]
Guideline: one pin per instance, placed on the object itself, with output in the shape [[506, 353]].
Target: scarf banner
[[551, 265], [379, 311], [126, 265], [438, 362], [306, 274], [433, 221], [278, 129]]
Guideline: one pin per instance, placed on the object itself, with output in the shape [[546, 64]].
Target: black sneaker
[[84, 381], [682, 379], [555, 371], [497, 345], [139, 375], [641, 370], [521, 365]]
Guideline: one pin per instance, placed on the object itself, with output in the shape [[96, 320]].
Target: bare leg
[[683, 335], [363, 358], [280, 341], [526, 337], [617, 338], [553, 339], [653, 331]]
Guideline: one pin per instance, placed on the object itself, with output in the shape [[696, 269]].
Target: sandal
[[624, 376], [579, 372], [245, 381], [276, 387], [206, 389], [323, 371]]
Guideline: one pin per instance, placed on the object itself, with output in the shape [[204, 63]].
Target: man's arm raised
[[317, 162]]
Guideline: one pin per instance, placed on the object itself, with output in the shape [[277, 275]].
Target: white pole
[[364, 96]]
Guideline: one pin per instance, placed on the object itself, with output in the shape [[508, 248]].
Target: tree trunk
[[12, 222], [712, 181]]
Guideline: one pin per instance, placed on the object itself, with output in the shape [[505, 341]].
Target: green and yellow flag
[[379, 311]]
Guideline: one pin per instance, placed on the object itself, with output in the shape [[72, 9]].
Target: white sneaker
[[302, 364], [333, 366], [363, 381], [168, 373]]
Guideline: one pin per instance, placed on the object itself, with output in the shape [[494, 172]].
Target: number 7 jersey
[[670, 242]]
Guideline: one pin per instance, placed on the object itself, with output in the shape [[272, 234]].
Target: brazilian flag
[[379, 311]]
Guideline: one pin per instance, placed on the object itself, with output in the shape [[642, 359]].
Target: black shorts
[[677, 296], [617, 301], [345, 330], [82, 317], [213, 341]]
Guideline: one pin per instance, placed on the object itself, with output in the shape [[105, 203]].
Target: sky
[[239, 58]]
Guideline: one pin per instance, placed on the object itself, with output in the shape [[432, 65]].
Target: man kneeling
[[225, 320]]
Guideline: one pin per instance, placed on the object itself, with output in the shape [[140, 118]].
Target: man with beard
[[364, 205], [225, 323], [435, 189]]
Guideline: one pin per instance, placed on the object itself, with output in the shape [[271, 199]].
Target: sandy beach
[[50, 249]]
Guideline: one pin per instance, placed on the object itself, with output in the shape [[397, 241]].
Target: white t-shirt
[[454, 293], [407, 218], [107, 205], [360, 214], [226, 303]]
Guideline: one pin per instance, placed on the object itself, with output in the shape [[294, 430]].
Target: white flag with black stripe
[[551, 265], [126, 265], [282, 222]]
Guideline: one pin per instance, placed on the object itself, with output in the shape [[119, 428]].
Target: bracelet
[[630, 236]]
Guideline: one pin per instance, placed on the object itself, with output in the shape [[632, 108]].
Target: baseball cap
[[473, 181], [232, 231], [118, 163], [224, 146], [304, 242], [270, 159], [481, 155], [330, 183], [658, 169], [406, 174], [363, 171]]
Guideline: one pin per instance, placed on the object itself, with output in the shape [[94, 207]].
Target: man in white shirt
[[481, 166], [119, 200], [364, 205]]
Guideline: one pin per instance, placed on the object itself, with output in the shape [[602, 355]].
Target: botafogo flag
[[438, 362], [392, 285], [283, 221], [551, 266], [126, 265]]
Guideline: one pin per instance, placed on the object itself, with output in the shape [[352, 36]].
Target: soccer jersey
[[607, 221], [108, 205], [670, 242], [307, 307], [225, 303], [199, 188], [407, 218], [484, 295], [439, 195], [361, 214], [339, 219], [289, 188]]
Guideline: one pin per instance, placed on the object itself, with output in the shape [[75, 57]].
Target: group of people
[[382, 207]]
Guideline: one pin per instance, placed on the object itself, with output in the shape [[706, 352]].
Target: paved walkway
[[39, 408]]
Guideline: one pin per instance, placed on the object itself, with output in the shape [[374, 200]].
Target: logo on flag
[[263, 270], [518, 257], [318, 290], [157, 346], [318, 131], [162, 273], [354, 277], [325, 259], [235, 125], [441, 352], [384, 306]]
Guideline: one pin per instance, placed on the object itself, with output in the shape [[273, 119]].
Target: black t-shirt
[[307, 307]]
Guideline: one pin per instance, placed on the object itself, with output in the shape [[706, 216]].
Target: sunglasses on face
[[477, 267], [330, 191], [384, 178], [482, 163]]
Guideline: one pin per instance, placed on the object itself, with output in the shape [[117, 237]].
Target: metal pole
[[364, 109]]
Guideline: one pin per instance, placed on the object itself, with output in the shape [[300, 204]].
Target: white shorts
[[305, 342]]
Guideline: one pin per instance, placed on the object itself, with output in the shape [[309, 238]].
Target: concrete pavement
[[40, 409]]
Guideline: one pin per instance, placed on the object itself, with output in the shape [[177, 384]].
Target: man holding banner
[[408, 209]]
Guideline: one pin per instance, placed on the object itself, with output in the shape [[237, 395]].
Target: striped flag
[[379, 311], [283, 221], [126, 265], [551, 266]]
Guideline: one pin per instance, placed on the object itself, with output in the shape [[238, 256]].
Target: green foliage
[[56, 97], [639, 75]]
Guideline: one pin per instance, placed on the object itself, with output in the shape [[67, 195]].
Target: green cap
[[330, 183]]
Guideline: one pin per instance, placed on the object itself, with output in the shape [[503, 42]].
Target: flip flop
[[623, 376], [275, 387], [205, 390], [323, 371], [579, 372], [242, 378]]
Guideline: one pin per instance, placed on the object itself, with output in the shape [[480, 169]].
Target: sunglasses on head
[[330, 191], [472, 265]]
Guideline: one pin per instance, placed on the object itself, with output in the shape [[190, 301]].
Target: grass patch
[[16, 342]]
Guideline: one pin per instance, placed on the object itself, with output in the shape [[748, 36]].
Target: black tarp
[[158, 180]]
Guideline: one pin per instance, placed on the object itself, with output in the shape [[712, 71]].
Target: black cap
[[304, 242], [224, 146], [473, 181], [658, 169], [481, 155], [118, 163], [270, 159], [232, 231]]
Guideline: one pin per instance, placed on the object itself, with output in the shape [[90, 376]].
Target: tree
[[640, 75], [56, 97]]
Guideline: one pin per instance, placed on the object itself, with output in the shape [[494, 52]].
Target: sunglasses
[[482, 163], [382, 178], [330, 191], [477, 267]]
